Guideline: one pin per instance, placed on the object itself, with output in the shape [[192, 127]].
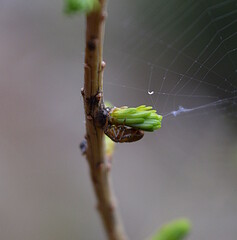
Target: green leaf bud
[[109, 147], [175, 230], [80, 6], [142, 117]]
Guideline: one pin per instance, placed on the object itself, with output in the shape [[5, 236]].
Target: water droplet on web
[[150, 92]]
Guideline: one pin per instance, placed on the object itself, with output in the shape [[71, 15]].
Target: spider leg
[[122, 128]]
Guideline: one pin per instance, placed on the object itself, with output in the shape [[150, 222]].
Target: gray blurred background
[[187, 168]]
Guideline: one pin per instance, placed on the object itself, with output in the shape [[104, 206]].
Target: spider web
[[182, 55]]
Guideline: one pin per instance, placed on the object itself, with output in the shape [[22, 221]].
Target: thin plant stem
[[100, 167]]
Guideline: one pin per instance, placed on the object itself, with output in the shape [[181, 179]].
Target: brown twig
[[93, 103]]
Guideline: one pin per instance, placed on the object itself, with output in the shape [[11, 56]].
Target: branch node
[[89, 117], [102, 66], [86, 66]]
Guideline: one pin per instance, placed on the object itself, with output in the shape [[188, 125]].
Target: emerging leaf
[[109, 147], [175, 230], [80, 6]]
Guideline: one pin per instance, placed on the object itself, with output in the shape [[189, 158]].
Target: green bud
[[108, 104], [142, 117], [109, 147], [80, 6], [175, 230]]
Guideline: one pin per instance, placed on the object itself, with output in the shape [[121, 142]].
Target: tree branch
[[93, 103]]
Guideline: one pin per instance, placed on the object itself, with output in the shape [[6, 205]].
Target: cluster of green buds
[[143, 117], [126, 124]]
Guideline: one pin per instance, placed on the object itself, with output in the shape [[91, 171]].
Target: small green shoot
[[80, 6], [109, 147], [175, 230]]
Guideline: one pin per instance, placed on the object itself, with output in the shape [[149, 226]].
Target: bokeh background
[[186, 169]]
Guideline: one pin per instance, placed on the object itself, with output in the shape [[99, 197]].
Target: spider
[[122, 133], [117, 133]]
